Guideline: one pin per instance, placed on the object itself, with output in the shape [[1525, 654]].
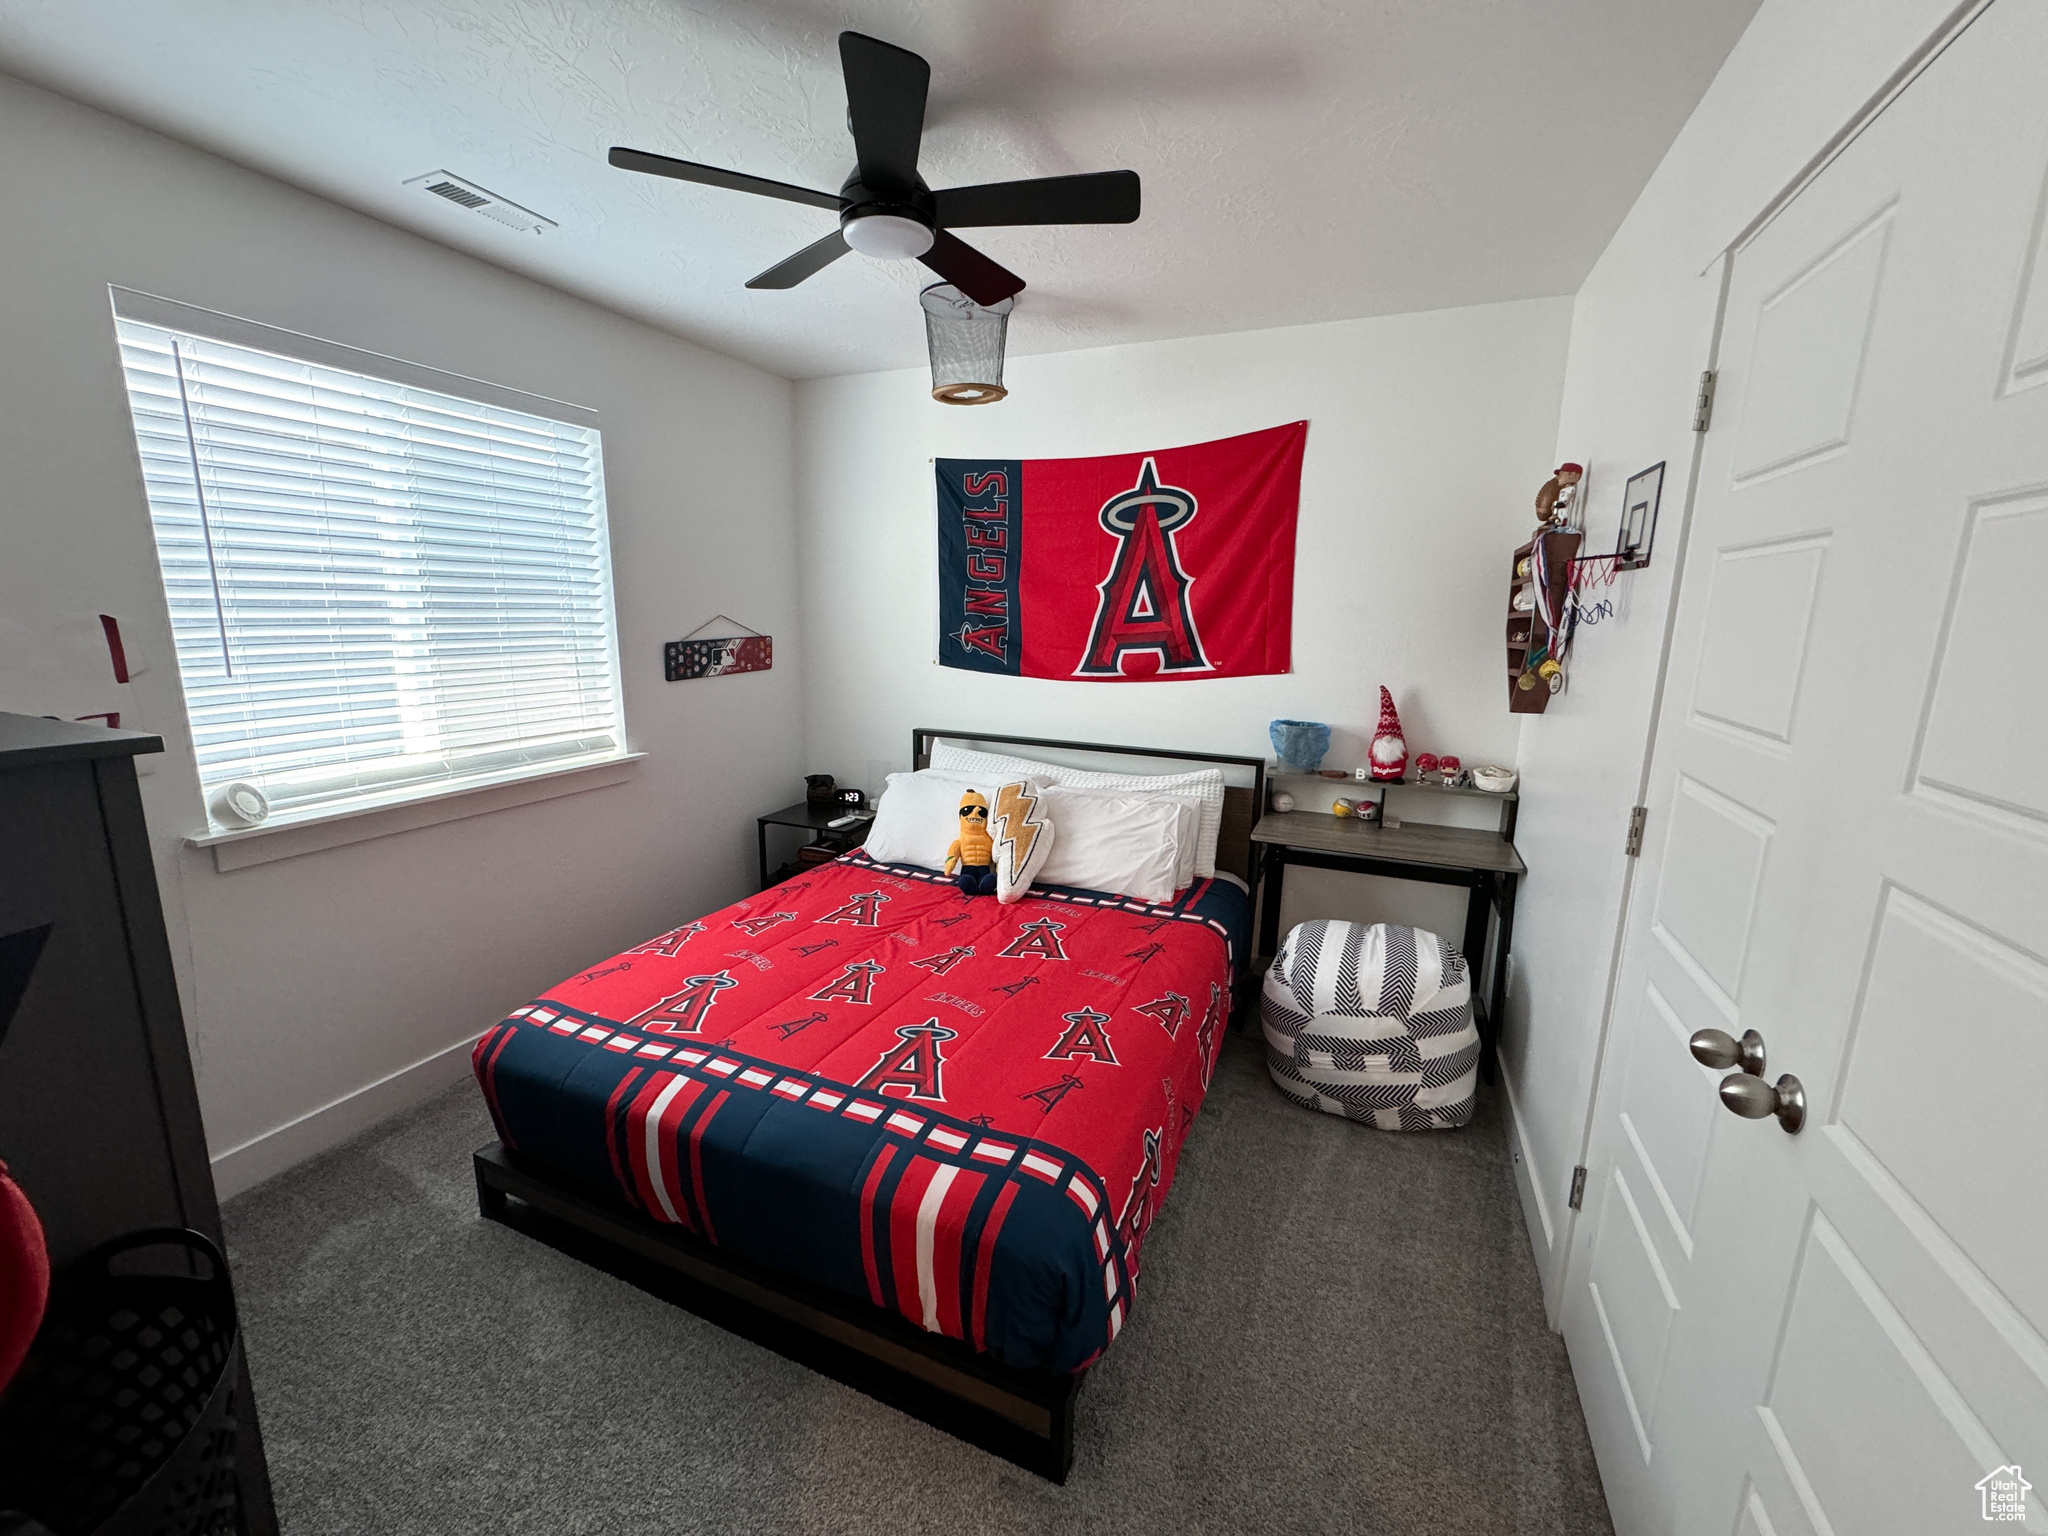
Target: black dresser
[[99, 1118]]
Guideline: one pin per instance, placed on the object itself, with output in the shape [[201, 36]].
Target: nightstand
[[816, 820]]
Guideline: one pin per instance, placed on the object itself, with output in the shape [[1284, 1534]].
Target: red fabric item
[[1570, 469], [1389, 746], [1132, 567], [24, 1276]]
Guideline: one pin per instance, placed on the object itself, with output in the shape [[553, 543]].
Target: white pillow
[[1023, 833], [918, 816], [951, 759], [1187, 829], [1206, 784], [1111, 843]]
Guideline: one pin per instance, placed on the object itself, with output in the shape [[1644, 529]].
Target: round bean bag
[[1372, 1023]]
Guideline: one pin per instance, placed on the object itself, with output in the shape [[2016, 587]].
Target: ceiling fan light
[[888, 236]]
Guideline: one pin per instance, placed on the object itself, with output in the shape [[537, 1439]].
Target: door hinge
[[1578, 1198], [1703, 407], [1636, 818]]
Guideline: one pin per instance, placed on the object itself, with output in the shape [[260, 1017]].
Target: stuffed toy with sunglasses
[[973, 851]]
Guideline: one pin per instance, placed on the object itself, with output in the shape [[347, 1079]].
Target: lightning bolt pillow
[[1022, 836]]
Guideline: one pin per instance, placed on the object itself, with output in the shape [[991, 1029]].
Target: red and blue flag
[[1125, 568]]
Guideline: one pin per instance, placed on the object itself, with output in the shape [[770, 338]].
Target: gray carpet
[[1338, 1330]]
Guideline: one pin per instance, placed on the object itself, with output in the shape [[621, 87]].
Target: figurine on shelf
[[1425, 767], [1554, 501], [1389, 747], [1451, 770]]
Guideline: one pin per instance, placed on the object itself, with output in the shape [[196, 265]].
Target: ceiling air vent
[[467, 194]]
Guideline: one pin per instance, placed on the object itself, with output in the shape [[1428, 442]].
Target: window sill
[[315, 832]]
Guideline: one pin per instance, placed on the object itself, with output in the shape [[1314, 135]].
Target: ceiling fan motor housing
[[887, 228]]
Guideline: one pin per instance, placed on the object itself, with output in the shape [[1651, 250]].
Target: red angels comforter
[[965, 1112]]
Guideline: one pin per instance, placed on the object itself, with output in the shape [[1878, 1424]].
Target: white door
[[1842, 1331]]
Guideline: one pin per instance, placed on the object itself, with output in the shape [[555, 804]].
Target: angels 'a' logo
[[943, 962], [1205, 1033], [1143, 602], [863, 911], [1050, 1095], [669, 943], [913, 1064], [760, 925], [1136, 1219], [1083, 1036], [1039, 940], [854, 985], [682, 1013], [791, 1027], [986, 638], [1169, 1012]]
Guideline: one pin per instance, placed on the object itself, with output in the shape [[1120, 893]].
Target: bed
[[913, 1138]]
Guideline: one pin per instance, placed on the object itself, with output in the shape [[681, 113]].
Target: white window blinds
[[377, 589]]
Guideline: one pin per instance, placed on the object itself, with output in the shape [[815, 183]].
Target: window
[[383, 581]]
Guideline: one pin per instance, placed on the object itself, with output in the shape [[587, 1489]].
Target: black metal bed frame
[[1024, 1416]]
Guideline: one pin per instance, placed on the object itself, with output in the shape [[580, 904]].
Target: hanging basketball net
[[966, 343]]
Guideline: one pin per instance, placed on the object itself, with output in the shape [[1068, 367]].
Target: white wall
[[310, 980], [1428, 437], [1642, 327]]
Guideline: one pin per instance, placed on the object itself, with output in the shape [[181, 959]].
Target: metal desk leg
[[1497, 999], [1272, 881], [1478, 903]]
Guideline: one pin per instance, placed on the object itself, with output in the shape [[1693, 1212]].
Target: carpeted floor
[[1338, 1330]]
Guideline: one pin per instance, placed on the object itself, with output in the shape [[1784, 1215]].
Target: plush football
[[24, 1276]]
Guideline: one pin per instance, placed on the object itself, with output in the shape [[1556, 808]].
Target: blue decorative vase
[[1300, 743]]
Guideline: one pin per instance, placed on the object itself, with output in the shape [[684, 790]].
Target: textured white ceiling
[[1301, 162]]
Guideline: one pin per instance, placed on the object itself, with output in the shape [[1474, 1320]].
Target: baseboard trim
[[264, 1157], [1529, 1185]]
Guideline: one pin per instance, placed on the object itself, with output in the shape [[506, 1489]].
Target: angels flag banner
[[1127, 568]]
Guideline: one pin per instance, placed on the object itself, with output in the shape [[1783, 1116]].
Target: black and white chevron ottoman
[[1372, 1023]]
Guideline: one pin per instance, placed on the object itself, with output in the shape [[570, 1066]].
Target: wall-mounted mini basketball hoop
[[966, 343]]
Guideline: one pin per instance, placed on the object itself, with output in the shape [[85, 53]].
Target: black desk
[[1484, 862], [814, 819]]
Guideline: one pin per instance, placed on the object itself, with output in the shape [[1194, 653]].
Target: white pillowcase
[[919, 816], [947, 758], [1206, 784], [1112, 843], [1187, 826]]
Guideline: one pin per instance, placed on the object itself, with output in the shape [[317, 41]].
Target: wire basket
[[966, 343], [122, 1419]]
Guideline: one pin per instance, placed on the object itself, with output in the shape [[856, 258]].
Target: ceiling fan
[[885, 209]]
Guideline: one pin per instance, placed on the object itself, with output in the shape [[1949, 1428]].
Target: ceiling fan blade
[[885, 92], [712, 176], [792, 270], [1100, 197], [960, 264]]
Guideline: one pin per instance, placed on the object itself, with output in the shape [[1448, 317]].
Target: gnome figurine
[[1389, 748]]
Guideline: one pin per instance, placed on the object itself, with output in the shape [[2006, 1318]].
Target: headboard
[[1241, 801]]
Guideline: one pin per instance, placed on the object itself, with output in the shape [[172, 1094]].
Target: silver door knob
[[1720, 1050], [1754, 1099]]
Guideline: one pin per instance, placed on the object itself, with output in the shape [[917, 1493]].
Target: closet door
[[1846, 1330]]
